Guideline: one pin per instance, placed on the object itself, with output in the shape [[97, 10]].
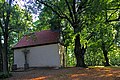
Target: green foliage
[[19, 23], [5, 75], [93, 20], [114, 56], [97, 18]]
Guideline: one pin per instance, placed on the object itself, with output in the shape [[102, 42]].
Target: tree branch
[[81, 6], [116, 9], [83, 9], [91, 34], [51, 8], [61, 16], [118, 19], [74, 10], [112, 14], [8, 16], [2, 27], [70, 11], [113, 8]]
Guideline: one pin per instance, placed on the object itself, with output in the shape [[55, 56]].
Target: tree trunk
[[4, 54], [1, 61], [5, 28], [105, 52], [79, 52], [5, 62], [66, 56]]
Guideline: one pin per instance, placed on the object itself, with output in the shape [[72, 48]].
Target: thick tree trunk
[[105, 52], [5, 28], [4, 54], [79, 52], [5, 62]]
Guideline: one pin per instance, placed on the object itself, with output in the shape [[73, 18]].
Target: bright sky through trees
[[23, 3]]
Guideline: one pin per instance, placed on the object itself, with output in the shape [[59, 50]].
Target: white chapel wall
[[39, 56]]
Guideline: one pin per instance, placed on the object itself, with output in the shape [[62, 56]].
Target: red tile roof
[[38, 38]]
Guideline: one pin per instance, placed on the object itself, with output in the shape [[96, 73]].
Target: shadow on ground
[[74, 73]]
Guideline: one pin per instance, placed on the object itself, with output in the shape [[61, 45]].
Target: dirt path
[[68, 74]]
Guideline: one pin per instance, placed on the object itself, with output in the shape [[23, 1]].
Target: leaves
[[97, 22]]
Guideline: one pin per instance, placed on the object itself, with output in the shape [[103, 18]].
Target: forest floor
[[74, 73]]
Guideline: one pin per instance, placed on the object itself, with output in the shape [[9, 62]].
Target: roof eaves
[[34, 45]]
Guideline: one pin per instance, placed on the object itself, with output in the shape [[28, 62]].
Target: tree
[[105, 28], [4, 24], [1, 62], [73, 11], [13, 20], [81, 19], [111, 14]]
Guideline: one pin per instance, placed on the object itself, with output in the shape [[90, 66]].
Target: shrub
[[5, 75]]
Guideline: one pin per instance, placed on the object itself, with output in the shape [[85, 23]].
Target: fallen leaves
[[74, 73]]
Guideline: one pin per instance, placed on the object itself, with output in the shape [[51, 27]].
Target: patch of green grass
[[96, 66], [112, 67]]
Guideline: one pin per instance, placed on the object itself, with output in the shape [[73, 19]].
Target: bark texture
[[79, 52], [105, 52]]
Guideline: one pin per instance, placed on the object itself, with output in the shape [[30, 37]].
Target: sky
[[21, 3]]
